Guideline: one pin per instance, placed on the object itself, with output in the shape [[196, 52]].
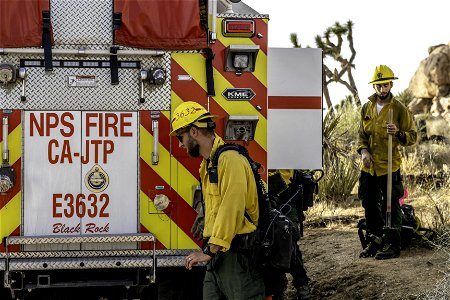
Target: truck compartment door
[[80, 172]]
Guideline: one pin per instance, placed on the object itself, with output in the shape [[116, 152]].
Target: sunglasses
[[180, 138], [179, 134]]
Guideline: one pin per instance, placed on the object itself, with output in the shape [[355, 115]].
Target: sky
[[394, 33]]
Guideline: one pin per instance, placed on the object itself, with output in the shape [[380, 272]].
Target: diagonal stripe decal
[[10, 203], [10, 216], [261, 59], [172, 225], [198, 74], [4, 199], [246, 80], [164, 172], [163, 227], [261, 28], [148, 245], [164, 140], [174, 207], [229, 107]]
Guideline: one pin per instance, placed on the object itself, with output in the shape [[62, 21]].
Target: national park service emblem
[[96, 180]]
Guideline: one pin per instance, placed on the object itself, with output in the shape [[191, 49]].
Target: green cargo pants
[[230, 276], [373, 194]]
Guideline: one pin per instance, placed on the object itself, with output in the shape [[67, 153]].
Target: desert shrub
[[405, 97], [426, 173], [426, 165], [340, 157]]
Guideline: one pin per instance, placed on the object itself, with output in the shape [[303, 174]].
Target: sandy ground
[[336, 271]]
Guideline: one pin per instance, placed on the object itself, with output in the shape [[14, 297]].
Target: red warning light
[[238, 28]]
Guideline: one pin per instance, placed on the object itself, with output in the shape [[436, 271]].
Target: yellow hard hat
[[188, 113], [382, 74]]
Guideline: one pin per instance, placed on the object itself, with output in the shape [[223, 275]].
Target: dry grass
[[332, 215]]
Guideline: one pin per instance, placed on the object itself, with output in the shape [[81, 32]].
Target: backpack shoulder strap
[[212, 171], [263, 200]]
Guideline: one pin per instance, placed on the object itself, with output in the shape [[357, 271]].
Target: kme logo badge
[[242, 94]]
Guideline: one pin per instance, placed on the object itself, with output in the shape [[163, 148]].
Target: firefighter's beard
[[193, 148], [383, 97]]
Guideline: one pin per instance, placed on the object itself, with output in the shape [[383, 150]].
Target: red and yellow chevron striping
[[10, 202]]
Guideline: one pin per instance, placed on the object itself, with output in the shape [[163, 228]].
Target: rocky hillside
[[430, 87]]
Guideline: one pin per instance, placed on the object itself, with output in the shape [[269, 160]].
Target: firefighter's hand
[[197, 227], [366, 158], [392, 129], [196, 258]]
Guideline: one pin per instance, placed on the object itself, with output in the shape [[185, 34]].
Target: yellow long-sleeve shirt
[[227, 201], [373, 134]]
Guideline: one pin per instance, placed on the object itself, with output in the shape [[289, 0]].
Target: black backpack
[[273, 242], [296, 197], [411, 229]]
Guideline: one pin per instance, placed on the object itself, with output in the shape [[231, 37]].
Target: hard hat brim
[[383, 80]]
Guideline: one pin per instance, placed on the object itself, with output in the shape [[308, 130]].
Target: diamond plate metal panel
[[243, 16], [170, 261], [82, 22], [165, 258], [84, 253], [80, 263], [182, 252], [35, 260], [49, 91], [124, 238]]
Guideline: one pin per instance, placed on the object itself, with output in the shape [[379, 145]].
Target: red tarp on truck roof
[[21, 22], [160, 24]]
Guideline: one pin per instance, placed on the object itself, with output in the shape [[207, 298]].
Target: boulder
[[433, 75], [430, 85]]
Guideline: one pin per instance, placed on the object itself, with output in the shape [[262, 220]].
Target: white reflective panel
[[51, 169], [294, 133], [300, 133], [80, 172], [111, 139], [295, 72]]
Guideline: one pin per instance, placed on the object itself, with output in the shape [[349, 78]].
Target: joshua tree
[[333, 49]]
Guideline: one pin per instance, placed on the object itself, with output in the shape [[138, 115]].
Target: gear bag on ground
[[411, 229]]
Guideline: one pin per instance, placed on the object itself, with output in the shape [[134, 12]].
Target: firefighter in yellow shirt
[[373, 147], [229, 275]]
